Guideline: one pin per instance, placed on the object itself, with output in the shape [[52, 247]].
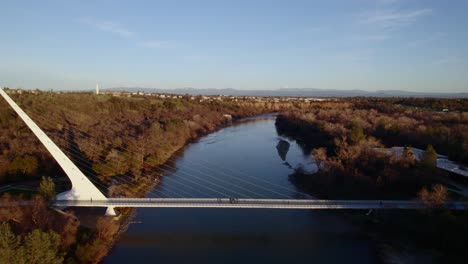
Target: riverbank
[[426, 236], [241, 153], [117, 142], [128, 214]]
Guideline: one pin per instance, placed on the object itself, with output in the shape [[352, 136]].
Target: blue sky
[[417, 45]]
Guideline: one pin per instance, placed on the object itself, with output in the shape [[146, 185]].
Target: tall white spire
[[97, 88], [82, 187]]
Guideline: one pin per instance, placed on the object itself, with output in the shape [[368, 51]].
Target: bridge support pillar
[[110, 211]]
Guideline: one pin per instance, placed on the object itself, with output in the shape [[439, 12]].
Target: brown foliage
[[320, 156], [109, 135], [435, 197], [392, 124], [361, 171], [106, 228], [92, 252]]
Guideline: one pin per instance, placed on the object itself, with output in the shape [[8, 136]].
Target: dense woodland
[[345, 137], [116, 141], [38, 234], [392, 124], [436, 104], [114, 135], [114, 138]]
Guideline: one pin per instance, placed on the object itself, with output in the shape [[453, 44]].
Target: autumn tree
[[106, 228], [95, 250], [69, 229], [320, 157], [13, 213], [91, 252], [407, 158], [435, 197]]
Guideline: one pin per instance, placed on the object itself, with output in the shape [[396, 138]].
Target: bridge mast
[[82, 187]]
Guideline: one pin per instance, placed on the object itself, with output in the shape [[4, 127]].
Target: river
[[245, 161]]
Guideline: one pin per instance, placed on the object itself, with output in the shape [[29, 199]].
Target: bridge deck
[[256, 203]]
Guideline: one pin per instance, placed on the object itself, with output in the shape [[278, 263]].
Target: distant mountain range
[[302, 92]]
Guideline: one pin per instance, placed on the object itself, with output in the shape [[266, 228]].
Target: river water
[[239, 161]]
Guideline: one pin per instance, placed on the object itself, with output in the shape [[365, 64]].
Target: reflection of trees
[[283, 148], [307, 135]]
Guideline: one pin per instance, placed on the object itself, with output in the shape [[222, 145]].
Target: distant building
[[97, 88]]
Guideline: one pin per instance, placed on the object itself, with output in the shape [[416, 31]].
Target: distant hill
[[306, 92]]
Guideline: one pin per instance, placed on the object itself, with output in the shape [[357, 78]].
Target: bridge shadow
[[80, 159], [130, 182], [165, 170]]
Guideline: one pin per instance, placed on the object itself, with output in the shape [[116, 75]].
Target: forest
[[121, 143], [344, 136], [346, 140], [117, 141]]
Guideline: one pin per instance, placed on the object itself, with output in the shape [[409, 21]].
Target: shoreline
[[398, 237], [126, 217]]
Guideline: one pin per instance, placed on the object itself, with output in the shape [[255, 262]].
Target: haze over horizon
[[371, 45]]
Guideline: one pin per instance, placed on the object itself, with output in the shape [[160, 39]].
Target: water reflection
[[246, 156], [282, 147]]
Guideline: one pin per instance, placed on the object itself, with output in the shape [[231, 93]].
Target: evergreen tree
[[429, 158], [43, 247], [47, 188], [11, 250], [357, 134], [26, 165], [37, 247]]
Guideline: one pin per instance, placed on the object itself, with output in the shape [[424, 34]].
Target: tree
[[43, 247], [47, 188], [408, 153], [429, 158], [14, 212], [407, 158], [39, 214], [434, 198], [106, 228], [320, 156], [357, 134], [69, 228], [95, 250], [91, 252], [11, 250], [26, 165], [37, 247]]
